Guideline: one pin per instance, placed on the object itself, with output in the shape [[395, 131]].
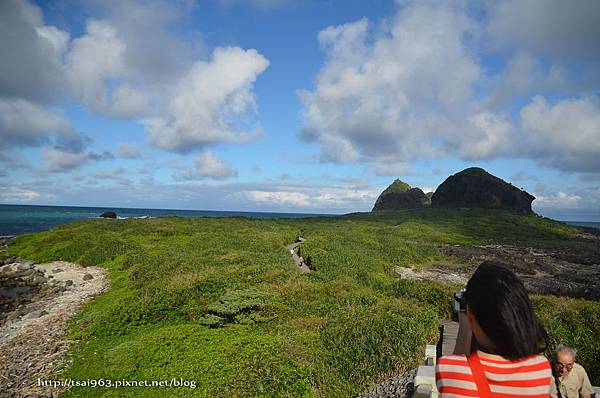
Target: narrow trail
[[299, 261]]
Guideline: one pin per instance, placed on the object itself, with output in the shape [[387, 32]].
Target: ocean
[[19, 219]]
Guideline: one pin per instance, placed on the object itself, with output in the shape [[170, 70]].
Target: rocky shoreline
[[36, 302]]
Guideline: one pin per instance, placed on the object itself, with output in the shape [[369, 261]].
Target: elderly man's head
[[564, 359]]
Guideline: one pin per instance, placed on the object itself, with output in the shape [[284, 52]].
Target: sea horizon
[[17, 219]]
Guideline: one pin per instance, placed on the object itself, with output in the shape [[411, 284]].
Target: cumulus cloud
[[312, 197], [126, 60], [559, 200], [96, 59], [31, 66], [280, 198], [525, 75], [113, 174], [576, 203], [565, 134], [401, 169], [59, 159], [551, 28], [413, 87], [130, 62], [23, 123], [56, 160], [210, 166], [17, 195], [402, 93], [128, 151], [212, 103]]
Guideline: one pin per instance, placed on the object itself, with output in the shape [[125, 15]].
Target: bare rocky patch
[[38, 300], [561, 273]]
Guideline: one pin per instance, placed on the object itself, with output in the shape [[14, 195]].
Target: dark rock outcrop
[[399, 195], [476, 188], [109, 214]]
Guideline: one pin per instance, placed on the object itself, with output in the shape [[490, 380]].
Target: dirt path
[[32, 337], [299, 261]]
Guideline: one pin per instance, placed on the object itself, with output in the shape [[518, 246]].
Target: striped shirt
[[529, 377]]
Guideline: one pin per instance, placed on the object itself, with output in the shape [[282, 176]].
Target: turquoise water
[[18, 219]]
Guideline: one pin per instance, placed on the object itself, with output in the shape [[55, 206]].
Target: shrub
[[575, 323], [369, 341]]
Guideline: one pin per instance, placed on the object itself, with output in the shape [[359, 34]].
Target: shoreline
[[33, 342]]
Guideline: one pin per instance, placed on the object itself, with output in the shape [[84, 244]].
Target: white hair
[[562, 347]]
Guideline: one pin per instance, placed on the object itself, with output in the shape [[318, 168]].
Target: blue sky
[[296, 106]]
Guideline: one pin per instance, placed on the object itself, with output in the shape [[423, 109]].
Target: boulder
[[399, 195], [109, 214], [476, 188]]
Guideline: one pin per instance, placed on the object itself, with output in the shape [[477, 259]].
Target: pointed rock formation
[[476, 188], [399, 195]]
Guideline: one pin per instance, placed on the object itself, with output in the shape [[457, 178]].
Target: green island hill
[[220, 301]]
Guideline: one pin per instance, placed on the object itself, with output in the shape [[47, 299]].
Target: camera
[[460, 303]]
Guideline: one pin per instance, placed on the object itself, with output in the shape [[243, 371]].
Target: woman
[[508, 339]]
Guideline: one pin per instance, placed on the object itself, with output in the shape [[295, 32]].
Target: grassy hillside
[[219, 301]]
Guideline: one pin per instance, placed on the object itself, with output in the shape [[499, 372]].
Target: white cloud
[[280, 198], [553, 28], [525, 75], [128, 151], [129, 63], [31, 52], [392, 95], [565, 134], [17, 195], [95, 60], [401, 169], [481, 135], [212, 103], [57, 160], [558, 200], [23, 123], [313, 198], [113, 174], [208, 165]]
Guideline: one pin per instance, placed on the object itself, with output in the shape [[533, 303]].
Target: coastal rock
[[37, 314], [88, 277], [399, 195], [109, 214], [476, 188]]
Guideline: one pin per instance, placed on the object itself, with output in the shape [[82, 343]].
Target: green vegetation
[[396, 186], [219, 301]]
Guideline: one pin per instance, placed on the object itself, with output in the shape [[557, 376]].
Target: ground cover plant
[[219, 300]]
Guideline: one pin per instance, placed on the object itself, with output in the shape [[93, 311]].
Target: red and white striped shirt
[[529, 377]]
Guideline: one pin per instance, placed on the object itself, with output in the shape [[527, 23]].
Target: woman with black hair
[[499, 341]]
